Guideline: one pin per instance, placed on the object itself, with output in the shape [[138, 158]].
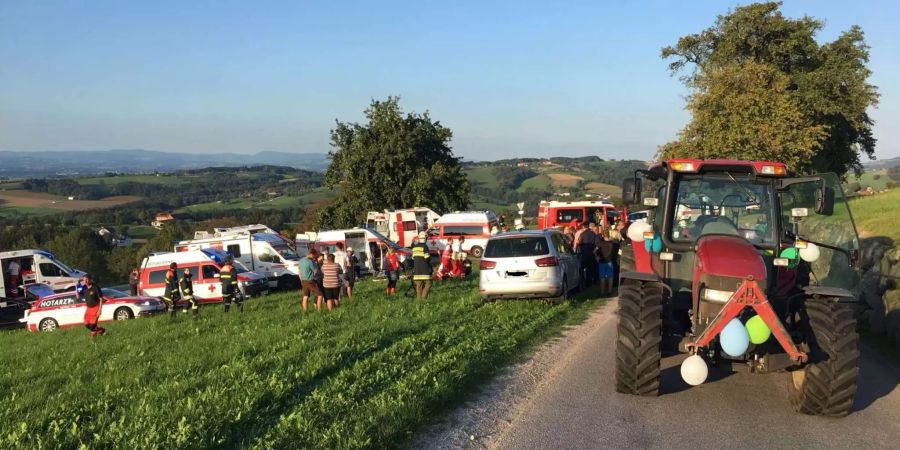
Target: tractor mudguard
[[827, 291], [640, 276]]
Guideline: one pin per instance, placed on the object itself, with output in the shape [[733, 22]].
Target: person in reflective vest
[[446, 260], [171, 294], [422, 271], [228, 278], [187, 290]]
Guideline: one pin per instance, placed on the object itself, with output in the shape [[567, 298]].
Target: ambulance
[[367, 245], [36, 266], [555, 214], [268, 254], [204, 266], [401, 225], [474, 225]]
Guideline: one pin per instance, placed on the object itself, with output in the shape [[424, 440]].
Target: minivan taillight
[[487, 265], [549, 261]]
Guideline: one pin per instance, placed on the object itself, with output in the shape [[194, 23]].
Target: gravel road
[[564, 397]]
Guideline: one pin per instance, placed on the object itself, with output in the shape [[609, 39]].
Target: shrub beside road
[[365, 375]]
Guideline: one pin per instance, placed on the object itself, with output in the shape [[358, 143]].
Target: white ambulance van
[[367, 245], [265, 253], [35, 266], [475, 226]]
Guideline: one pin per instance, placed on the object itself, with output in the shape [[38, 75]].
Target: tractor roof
[[686, 165]]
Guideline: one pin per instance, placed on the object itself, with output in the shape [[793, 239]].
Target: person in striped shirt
[[331, 281]]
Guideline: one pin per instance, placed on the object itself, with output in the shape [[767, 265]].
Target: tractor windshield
[[835, 234], [723, 203]]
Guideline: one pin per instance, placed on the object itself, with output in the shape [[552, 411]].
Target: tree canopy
[[762, 87], [395, 160]]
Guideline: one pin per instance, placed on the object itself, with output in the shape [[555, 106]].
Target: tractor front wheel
[[639, 336], [825, 387]]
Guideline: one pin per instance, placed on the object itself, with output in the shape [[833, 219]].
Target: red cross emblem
[[212, 287]]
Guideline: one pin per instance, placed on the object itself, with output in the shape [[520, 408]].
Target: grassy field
[[868, 179], [365, 375], [25, 211], [877, 215], [285, 201], [483, 175], [146, 179]]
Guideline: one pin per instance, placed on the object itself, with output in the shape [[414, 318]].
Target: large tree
[[763, 87], [395, 160]]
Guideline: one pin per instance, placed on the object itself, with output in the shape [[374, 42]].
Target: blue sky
[[510, 78]]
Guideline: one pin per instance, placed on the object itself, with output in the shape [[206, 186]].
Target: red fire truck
[[553, 214]]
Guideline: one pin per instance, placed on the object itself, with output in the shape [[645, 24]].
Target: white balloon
[[636, 231], [694, 370], [810, 253]]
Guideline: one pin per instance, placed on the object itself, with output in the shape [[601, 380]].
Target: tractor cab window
[[731, 204]]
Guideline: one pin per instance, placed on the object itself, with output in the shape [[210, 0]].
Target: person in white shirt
[[459, 255], [343, 261], [13, 270]]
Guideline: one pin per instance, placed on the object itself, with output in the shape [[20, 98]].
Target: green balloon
[[758, 330], [792, 255]]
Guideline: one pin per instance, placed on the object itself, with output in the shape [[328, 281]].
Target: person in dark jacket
[[228, 278], [422, 271], [171, 294], [93, 300], [606, 258], [186, 286]]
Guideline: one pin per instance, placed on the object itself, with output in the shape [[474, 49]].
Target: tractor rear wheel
[[825, 387], [639, 336]]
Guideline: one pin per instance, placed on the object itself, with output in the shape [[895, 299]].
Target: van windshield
[[286, 252], [510, 247], [239, 267], [63, 266]]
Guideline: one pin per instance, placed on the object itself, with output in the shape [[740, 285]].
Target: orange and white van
[[475, 226], [204, 265]]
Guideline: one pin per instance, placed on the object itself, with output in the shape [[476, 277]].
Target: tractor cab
[[730, 243]]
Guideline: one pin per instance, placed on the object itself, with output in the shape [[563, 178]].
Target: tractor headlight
[[715, 295]]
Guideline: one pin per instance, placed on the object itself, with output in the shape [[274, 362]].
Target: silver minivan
[[528, 264]]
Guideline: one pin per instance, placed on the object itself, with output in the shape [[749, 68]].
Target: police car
[[66, 310]]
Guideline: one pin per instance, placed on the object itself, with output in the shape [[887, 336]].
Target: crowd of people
[[598, 249]]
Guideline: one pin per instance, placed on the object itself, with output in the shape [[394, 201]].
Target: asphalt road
[[580, 408]]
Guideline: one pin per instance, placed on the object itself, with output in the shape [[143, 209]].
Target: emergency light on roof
[[768, 169], [682, 166]]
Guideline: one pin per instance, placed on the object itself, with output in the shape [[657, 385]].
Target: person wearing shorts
[[331, 281], [93, 300], [308, 284], [606, 254], [392, 270]]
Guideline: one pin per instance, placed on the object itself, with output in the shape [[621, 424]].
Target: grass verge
[[365, 375]]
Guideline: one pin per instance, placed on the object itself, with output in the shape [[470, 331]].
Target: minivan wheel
[[48, 324]]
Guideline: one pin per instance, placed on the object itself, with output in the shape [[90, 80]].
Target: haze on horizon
[[510, 80]]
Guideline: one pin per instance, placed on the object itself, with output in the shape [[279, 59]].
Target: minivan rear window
[[517, 246]]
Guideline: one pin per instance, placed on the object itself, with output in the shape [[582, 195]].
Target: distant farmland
[[35, 203]]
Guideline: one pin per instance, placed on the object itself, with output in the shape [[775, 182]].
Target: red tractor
[[740, 264]]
